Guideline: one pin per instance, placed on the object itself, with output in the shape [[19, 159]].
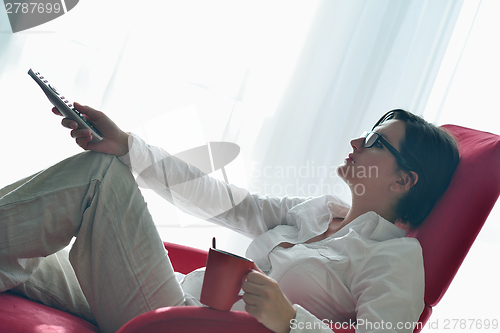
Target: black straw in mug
[[213, 242]]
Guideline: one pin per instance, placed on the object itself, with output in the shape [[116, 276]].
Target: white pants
[[118, 257]]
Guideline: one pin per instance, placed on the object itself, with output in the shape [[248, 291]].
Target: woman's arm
[[183, 185], [201, 195]]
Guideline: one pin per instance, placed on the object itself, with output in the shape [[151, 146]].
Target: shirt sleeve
[[200, 195], [389, 288]]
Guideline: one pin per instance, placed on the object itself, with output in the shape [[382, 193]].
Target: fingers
[[81, 134], [87, 110], [258, 285], [257, 277], [266, 302], [68, 123], [83, 142], [56, 111]]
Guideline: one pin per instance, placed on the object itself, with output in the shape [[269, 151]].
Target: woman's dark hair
[[432, 153]]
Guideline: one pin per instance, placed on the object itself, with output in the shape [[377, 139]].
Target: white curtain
[[362, 58]]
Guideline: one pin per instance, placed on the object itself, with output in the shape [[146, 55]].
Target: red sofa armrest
[[188, 319], [19, 314]]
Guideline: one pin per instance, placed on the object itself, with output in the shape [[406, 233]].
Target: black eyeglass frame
[[393, 150]]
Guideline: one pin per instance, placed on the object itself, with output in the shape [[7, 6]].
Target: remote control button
[[45, 81], [54, 89], [62, 97], [41, 77]]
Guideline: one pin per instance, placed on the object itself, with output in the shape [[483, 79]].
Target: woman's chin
[[343, 171]]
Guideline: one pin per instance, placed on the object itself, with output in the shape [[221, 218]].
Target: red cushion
[[451, 228], [19, 314], [185, 259]]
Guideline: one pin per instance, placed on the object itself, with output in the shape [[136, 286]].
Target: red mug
[[224, 275]]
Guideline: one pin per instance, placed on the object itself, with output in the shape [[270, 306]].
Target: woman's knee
[[93, 165]]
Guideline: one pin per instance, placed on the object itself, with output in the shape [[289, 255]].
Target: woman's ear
[[405, 182]]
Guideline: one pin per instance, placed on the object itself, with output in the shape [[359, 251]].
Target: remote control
[[63, 105]]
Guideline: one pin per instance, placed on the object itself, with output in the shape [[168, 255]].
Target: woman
[[319, 261]]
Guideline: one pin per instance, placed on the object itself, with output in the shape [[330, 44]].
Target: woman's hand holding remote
[[115, 141]]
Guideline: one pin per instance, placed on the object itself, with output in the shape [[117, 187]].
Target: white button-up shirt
[[368, 273]]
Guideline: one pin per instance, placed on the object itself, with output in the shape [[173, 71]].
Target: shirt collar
[[370, 225], [386, 230]]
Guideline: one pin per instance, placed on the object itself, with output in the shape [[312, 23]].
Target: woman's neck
[[359, 208]]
